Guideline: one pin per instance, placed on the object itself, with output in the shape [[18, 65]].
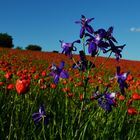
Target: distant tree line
[[33, 47], [6, 41]]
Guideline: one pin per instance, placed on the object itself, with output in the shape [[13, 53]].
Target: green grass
[[69, 118]]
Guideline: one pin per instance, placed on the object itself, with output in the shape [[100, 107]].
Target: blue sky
[[45, 22]]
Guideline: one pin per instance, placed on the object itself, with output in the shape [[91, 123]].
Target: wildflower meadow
[[71, 95]]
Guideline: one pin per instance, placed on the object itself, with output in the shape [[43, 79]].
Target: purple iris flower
[[58, 72], [105, 100], [68, 47], [94, 43], [121, 77], [84, 25], [83, 64], [115, 49], [101, 32], [109, 35], [37, 117]]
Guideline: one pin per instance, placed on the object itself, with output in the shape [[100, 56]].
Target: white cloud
[[133, 29]]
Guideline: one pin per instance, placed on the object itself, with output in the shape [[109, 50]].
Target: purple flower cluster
[[95, 40], [58, 72], [104, 41], [98, 40], [105, 100], [85, 26], [68, 47], [37, 117], [83, 64], [121, 78]]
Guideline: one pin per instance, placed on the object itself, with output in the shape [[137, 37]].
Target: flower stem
[[83, 44], [102, 64]]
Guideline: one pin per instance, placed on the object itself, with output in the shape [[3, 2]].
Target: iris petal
[[36, 120], [62, 63], [64, 74], [82, 32], [35, 115], [42, 110], [56, 79], [89, 29]]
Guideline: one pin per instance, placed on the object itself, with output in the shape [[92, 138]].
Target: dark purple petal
[[104, 104], [112, 38], [101, 32], [62, 63], [51, 74], [82, 32], [110, 30], [118, 70], [56, 79], [82, 16], [123, 76], [42, 110], [110, 101], [111, 44], [36, 120], [92, 47], [103, 44], [75, 66], [89, 20], [76, 41], [89, 29], [91, 37], [64, 74], [122, 89], [36, 115], [122, 79], [77, 22]]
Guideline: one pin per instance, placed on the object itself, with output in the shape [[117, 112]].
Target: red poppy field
[[33, 106]]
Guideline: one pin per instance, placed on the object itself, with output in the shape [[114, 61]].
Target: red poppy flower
[[136, 96], [121, 98], [53, 86], [81, 97], [8, 75], [70, 94], [44, 73], [10, 86], [22, 86], [1, 83], [132, 111]]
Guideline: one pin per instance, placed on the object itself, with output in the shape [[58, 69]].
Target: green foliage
[[54, 51], [6, 40], [19, 48], [69, 117], [33, 47]]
